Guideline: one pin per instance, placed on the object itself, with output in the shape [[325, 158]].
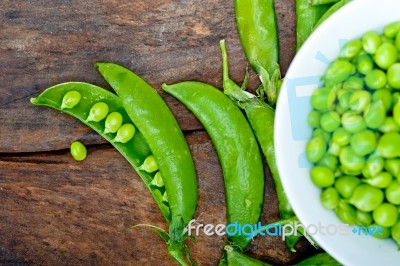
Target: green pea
[[314, 119], [397, 41], [389, 145], [344, 100], [334, 148], [393, 76], [323, 99], [346, 185], [352, 122], [353, 83], [396, 112], [350, 160], [380, 180], [385, 96], [70, 100], [381, 232], [350, 172], [395, 97], [359, 101], [339, 71], [389, 125], [375, 79], [363, 218], [98, 112], [125, 133], [330, 121], [375, 115], [392, 29], [392, 193], [330, 198], [385, 215], [78, 151], [346, 212], [149, 165], [319, 132], [395, 231], [371, 41], [329, 160], [387, 40], [322, 176], [113, 122], [393, 167], [365, 64], [373, 166], [157, 180], [363, 142], [366, 197], [341, 136], [315, 149], [351, 49], [386, 55]]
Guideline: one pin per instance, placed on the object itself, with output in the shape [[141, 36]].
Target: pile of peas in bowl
[[355, 145]]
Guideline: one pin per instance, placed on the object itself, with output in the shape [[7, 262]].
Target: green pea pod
[[307, 17], [135, 151], [154, 119], [236, 147], [256, 23], [322, 2], [330, 11]]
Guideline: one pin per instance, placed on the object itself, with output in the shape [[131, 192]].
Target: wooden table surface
[[56, 211]]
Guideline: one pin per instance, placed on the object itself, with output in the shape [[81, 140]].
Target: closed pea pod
[[236, 147], [153, 118]]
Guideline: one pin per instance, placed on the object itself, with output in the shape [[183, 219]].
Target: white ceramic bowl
[[292, 130]]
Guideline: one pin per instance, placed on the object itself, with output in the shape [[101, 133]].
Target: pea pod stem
[[237, 150], [154, 119]]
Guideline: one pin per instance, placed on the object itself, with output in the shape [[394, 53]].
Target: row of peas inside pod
[[355, 145], [113, 124]]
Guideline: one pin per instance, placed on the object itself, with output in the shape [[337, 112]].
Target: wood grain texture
[[55, 211]]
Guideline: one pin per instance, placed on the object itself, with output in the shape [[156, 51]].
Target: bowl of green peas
[[337, 134]]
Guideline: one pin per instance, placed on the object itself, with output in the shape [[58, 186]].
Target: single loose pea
[[375, 79], [386, 55], [329, 161], [359, 101], [113, 122], [341, 136], [334, 148], [363, 142], [319, 132], [314, 119], [125, 133], [371, 42], [380, 232], [375, 115], [78, 151], [366, 197], [323, 99], [389, 145], [393, 76], [392, 29], [149, 165], [363, 218], [70, 99], [98, 112], [385, 215], [392, 193], [393, 167], [346, 185], [330, 121], [351, 49], [389, 125], [344, 100], [315, 149], [365, 64], [346, 212], [157, 180], [350, 160], [385, 96], [339, 71], [353, 83], [373, 166], [330, 198], [395, 231], [380, 180], [322, 176], [353, 122]]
